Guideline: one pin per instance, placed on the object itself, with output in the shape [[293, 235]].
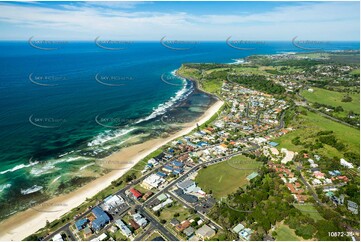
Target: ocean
[[64, 108]]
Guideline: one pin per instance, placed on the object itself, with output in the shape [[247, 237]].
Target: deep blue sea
[[63, 108]]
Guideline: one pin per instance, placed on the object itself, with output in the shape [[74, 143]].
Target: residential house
[[137, 194], [183, 225], [189, 231], [238, 228], [205, 232], [344, 163]]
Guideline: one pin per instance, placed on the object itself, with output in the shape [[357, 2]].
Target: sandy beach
[[22, 224]]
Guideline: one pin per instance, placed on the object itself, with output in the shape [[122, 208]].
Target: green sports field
[[226, 177]]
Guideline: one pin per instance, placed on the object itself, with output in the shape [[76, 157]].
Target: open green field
[[310, 210], [226, 177], [309, 125], [285, 233], [210, 85], [167, 213], [356, 72], [313, 55], [333, 98]]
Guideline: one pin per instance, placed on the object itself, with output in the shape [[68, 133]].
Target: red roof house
[[135, 193]]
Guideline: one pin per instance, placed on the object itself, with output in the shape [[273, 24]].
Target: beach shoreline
[[25, 223]]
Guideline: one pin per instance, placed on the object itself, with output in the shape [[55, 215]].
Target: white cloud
[[322, 20]]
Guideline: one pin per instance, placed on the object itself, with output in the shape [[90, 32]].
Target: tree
[[192, 211], [346, 99]]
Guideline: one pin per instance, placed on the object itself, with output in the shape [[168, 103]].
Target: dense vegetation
[[258, 82], [267, 202]]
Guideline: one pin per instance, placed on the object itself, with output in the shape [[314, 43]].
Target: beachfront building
[[81, 223], [152, 181], [101, 218], [112, 202], [58, 237]]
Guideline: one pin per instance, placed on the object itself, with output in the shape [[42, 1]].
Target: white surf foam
[[163, 107], [18, 167], [5, 186], [109, 135], [237, 61], [87, 165], [57, 178]]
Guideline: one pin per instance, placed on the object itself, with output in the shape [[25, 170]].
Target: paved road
[[156, 224], [64, 228], [203, 216], [299, 168], [144, 235]]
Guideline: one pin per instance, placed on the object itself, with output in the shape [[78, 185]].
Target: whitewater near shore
[[22, 224]]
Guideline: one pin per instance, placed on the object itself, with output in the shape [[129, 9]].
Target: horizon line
[[111, 39]]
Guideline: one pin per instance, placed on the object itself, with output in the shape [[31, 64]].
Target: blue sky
[[180, 20]]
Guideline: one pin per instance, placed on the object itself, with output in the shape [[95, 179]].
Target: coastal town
[[175, 193], [185, 120]]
